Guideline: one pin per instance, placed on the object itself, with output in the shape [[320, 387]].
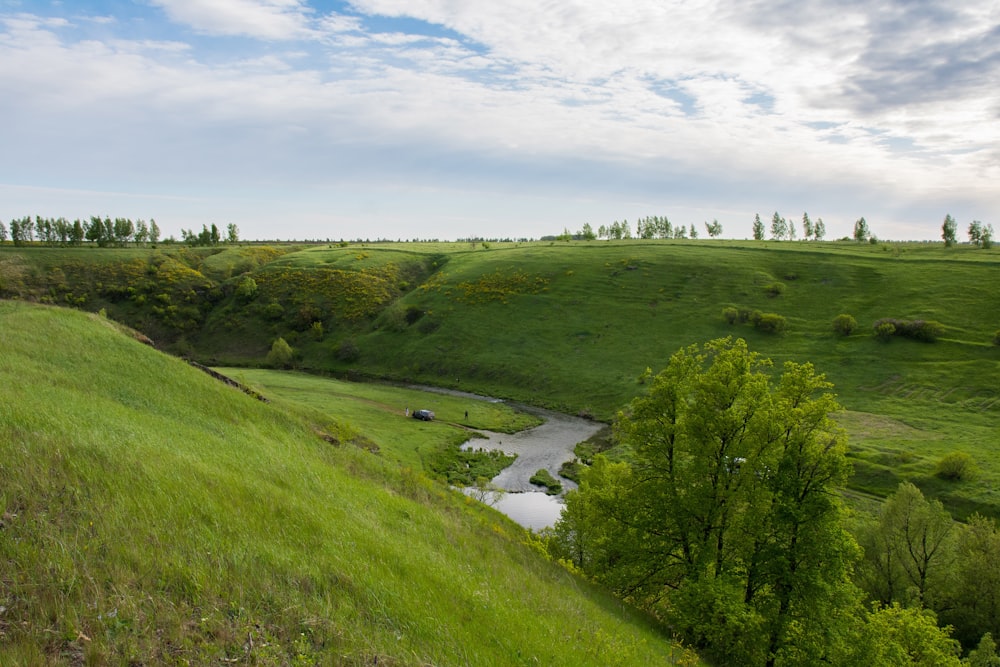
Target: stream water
[[547, 446]]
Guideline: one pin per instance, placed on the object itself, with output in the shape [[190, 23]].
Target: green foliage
[[996, 338], [908, 550], [316, 330], [281, 354], [926, 331], [544, 478], [949, 230], [985, 654], [730, 314], [774, 289], [896, 635], [956, 467], [728, 472], [246, 290], [348, 351], [844, 324], [768, 322]]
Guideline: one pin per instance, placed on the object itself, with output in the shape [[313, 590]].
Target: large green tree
[[726, 519]]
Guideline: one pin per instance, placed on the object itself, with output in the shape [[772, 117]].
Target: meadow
[[573, 325], [153, 515]]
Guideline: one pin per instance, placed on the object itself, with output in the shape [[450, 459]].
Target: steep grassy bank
[[153, 515]]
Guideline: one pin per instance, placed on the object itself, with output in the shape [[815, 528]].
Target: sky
[[454, 119]]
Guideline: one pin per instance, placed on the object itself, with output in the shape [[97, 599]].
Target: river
[[547, 445]]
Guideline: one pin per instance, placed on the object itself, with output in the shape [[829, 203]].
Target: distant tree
[[861, 231], [626, 230], [214, 237], [807, 227], [819, 229], [693, 232], [758, 228], [779, 227], [975, 232], [587, 233], [663, 228], [680, 232], [232, 234], [949, 228], [154, 232], [714, 229], [986, 239], [141, 232], [602, 232], [3, 232]]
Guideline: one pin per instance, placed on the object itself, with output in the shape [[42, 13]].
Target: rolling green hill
[[573, 325], [150, 514]]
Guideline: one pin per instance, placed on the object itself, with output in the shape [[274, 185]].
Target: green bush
[[884, 330], [844, 324], [996, 337], [925, 331], [775, 289], [281, 354], [730, 315], [247, 289], [770, 323], [348, 351], [956, 466]]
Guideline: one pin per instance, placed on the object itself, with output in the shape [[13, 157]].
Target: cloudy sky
[[301, 119]]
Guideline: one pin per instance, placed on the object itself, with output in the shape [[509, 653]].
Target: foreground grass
[[153, 515]]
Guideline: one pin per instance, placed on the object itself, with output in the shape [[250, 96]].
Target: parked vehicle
[[423, 415]]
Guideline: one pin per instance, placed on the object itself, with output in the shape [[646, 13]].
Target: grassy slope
[[605, 311], [153, 515], [572, 325]]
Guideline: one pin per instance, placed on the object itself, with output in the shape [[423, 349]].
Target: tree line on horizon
[[105, 232]]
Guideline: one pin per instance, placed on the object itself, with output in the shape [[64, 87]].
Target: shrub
[[348, 351], [274, 310], [744, 315], [844, 324], [281, 354], [316, 330], [247, 289], [996, 337], [775, 289], [884, 330], [770, 323], [926, 331], [956, 466], [730, 315]]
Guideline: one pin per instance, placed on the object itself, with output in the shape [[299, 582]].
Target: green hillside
[[573, 325], [153, 515]]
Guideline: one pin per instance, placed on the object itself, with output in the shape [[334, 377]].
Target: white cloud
[[265, 19], [708, 101]]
